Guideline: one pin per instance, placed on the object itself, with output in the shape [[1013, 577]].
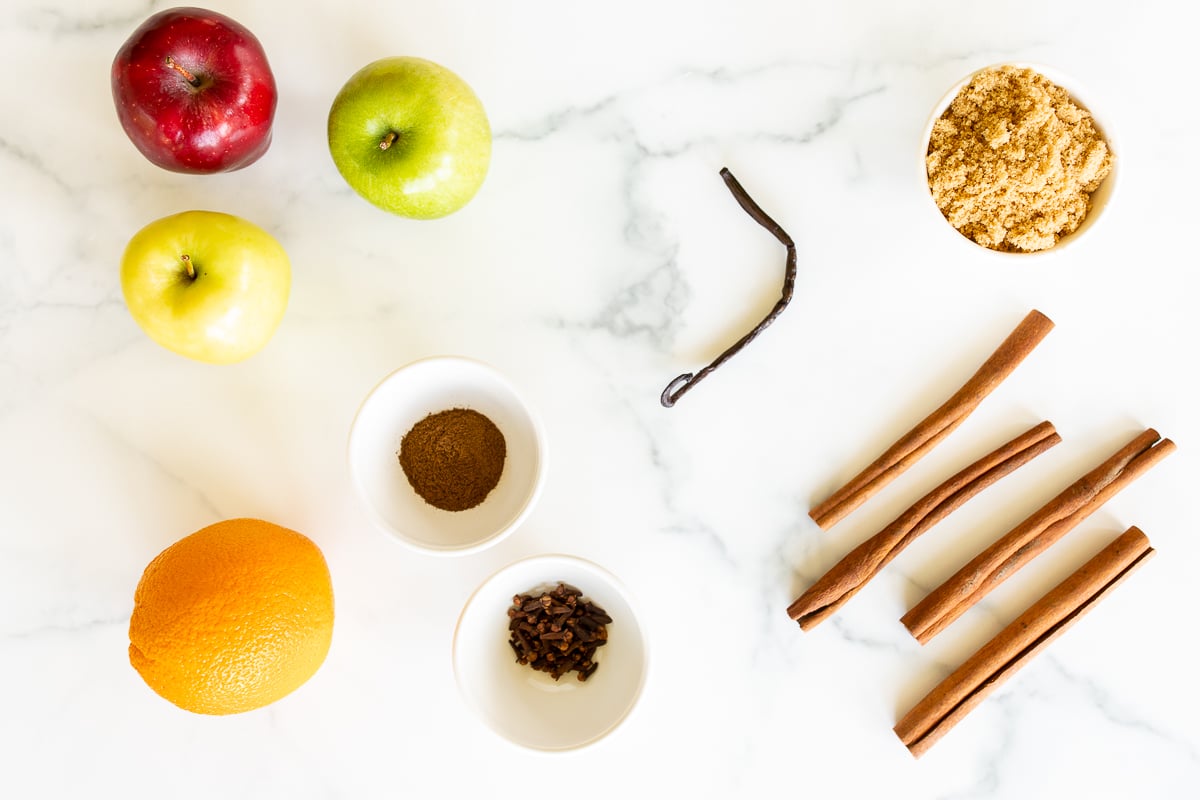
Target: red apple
[[194, 91]]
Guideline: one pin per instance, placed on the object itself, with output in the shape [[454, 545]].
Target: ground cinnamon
[[453, 459]]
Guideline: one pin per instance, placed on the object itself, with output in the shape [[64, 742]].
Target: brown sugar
[[1013, 161]]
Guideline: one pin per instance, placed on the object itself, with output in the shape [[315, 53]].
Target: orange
[[232, 617]]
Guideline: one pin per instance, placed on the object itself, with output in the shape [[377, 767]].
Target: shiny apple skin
[[225, 123], [441, 143], [232, 304]]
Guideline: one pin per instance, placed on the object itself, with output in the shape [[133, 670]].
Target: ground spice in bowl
[[1013, 161], [454, 458]]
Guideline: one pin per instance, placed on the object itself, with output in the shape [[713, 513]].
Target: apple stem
[[187, 76], [187, 262], [388, 140]]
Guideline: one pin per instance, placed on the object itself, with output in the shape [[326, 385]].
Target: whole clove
[[557, 631]]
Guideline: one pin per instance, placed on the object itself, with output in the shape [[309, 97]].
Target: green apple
[[206, 285], [411, 137]]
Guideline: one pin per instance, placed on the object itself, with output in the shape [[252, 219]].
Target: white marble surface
[[602, 258]]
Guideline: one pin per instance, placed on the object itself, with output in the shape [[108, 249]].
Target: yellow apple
[[206, 285]]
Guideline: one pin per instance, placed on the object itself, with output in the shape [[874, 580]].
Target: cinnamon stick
[[1045, 527], [1025, 637], [864, 562], [911, 447]]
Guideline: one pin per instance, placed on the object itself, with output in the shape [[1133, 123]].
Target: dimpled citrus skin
[[232, 617]]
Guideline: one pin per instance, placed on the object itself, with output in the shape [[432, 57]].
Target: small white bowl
[[403, 399], [1100, 199], [527, 707]]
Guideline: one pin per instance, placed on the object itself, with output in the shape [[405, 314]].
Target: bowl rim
[[499, 534], [615, 583], [1080, 97]]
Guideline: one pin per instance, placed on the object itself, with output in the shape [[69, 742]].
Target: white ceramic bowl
[[527, 707], [406, 397], [1100, 199]]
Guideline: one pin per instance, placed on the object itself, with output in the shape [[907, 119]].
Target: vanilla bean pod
[[681, 385]]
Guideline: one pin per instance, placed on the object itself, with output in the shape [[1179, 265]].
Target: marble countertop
[[603, 257]]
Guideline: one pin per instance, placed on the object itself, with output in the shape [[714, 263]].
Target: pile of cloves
[[557, 631]]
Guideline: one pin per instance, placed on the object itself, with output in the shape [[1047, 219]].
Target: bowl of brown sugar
[[1016, 162], [446, 455]]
